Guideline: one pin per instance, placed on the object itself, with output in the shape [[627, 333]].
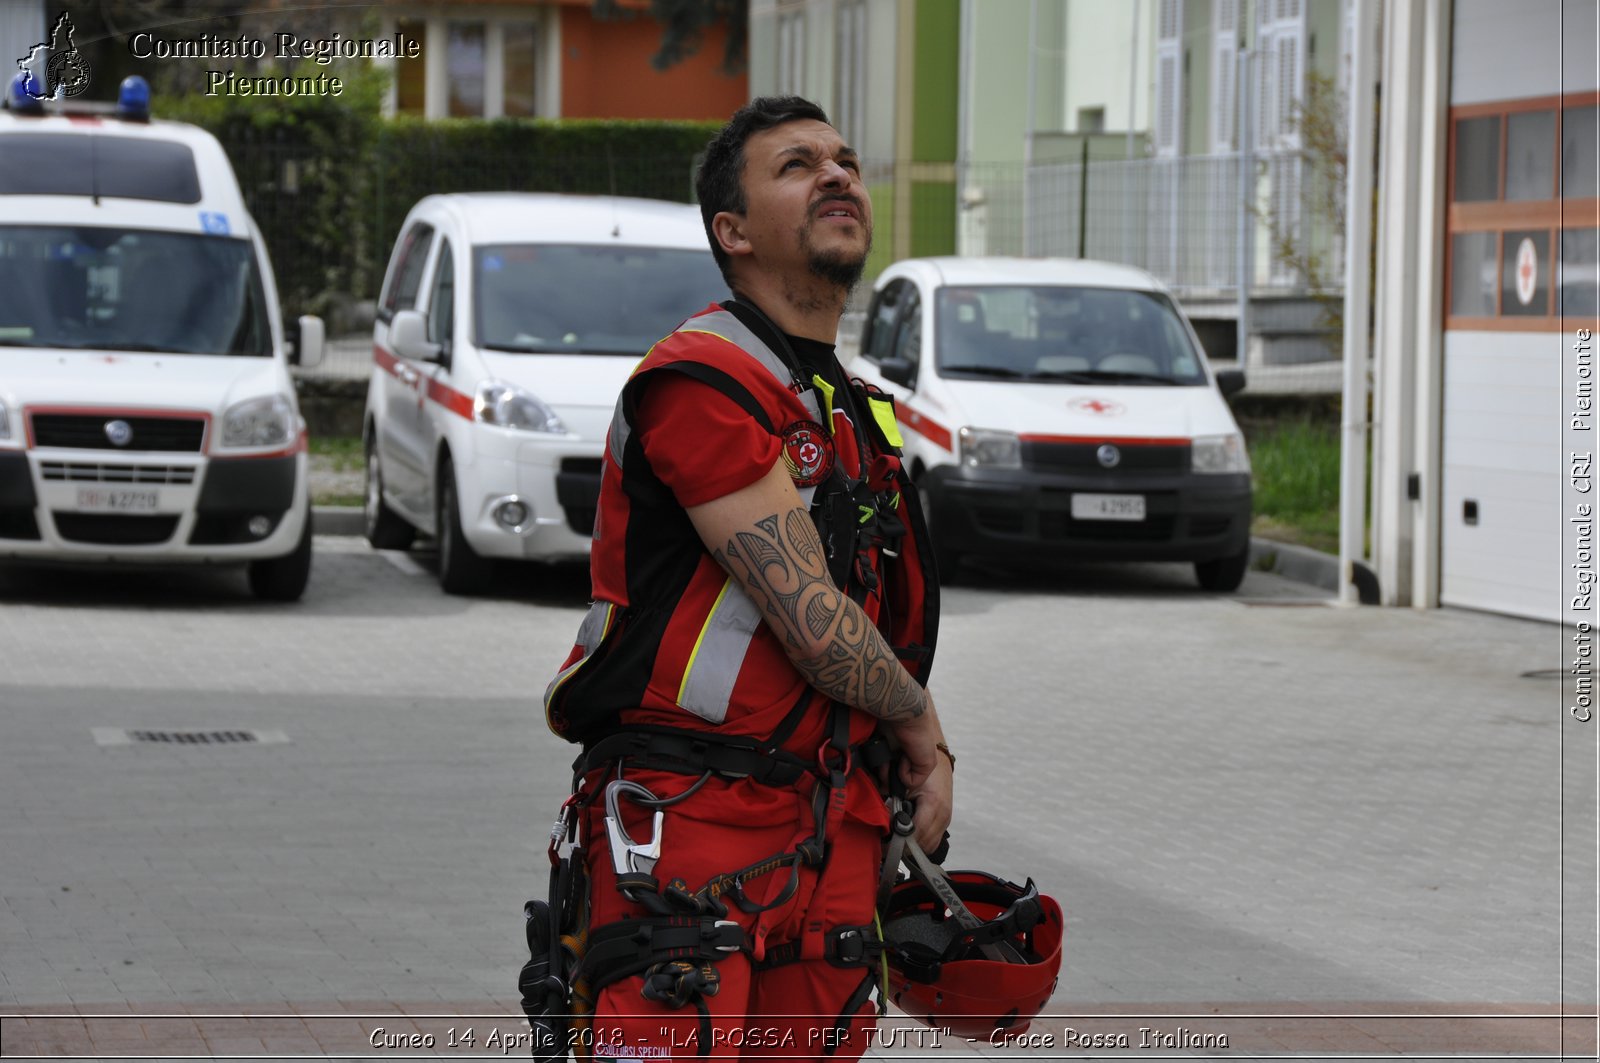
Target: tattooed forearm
[[830, 640]]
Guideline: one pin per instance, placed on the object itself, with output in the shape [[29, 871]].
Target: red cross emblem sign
[[1098, 407], [1527, 271], [808, 453]]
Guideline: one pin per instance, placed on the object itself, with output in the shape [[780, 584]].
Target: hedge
[[329, 180]]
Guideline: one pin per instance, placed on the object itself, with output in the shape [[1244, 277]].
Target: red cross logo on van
[[1098, 407]]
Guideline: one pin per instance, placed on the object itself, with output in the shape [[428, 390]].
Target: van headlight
[[5, 423], [986, 448], [269, 421], [1211, 454], [509, 407]]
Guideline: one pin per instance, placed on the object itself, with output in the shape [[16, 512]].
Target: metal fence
[[1181, 219]]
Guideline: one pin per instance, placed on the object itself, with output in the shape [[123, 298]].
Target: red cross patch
[[808, 453]]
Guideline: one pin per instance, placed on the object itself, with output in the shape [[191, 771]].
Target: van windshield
[[598, 299], [1058, 334], [96, 288]]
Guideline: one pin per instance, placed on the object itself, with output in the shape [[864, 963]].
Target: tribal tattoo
[[780, 563]]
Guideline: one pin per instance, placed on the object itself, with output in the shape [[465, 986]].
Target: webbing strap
[[694, 753], [632, 946]]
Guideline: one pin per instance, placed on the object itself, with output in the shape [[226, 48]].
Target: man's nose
[[834, 175]]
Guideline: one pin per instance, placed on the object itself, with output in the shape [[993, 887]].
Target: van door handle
[[408, 375]]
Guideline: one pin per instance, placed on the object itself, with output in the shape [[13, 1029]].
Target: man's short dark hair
[[717, 184]]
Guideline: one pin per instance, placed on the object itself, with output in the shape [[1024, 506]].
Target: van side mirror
[[408, 337], [898, 370], [313, 341], [1230, 381]]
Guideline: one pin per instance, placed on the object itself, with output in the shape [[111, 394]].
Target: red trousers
[[789, 1010]]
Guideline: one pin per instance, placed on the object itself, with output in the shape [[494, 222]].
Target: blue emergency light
[[133, 99], [23, 95]]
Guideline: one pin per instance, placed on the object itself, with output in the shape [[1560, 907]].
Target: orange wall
[[606, 72]]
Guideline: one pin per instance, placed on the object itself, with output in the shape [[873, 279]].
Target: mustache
[[838, 197]]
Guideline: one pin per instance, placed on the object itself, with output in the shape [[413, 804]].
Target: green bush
[[329, 180]]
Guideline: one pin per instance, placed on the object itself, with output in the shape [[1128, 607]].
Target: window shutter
[[1224, 72], [1289, 89], [1169, 74]]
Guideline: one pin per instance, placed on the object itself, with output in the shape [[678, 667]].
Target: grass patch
[[1295, 467], [339, 453]]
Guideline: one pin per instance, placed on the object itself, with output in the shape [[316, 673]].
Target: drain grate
[[117, 736]]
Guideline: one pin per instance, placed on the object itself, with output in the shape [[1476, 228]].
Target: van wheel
[[461, 569], [1225, 573], [386, 529], [283, 579], [947, 561]]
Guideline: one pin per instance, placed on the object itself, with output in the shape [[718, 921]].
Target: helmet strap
[[903, 847]]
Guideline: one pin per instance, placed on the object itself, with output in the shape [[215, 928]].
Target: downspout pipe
[[1357, 351]]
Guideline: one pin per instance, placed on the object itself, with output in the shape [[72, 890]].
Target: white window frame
[[850, 99], [791, 72]]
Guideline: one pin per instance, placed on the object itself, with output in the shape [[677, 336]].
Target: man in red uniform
[[762, 609]]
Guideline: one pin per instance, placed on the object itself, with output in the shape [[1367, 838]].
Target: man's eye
[[851, 165], [792, 163]]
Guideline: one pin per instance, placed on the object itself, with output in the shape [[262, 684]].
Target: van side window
[[402, 293], [908, 336], [879, 331], [442, 299]]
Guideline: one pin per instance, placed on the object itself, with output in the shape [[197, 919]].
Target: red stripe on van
[[457, 402], [923, 425]]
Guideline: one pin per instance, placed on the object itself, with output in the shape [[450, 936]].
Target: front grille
[[1153, 459], [1060, 527], [88, 432], [17, 522], [114, 529], [578, 491], [1206, 527], [92, 472]]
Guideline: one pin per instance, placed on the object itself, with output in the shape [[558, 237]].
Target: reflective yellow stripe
[[883, 413]]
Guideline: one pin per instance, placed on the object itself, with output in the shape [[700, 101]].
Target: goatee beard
[[838, 269]]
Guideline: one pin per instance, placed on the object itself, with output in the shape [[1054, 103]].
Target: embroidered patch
[[808, 452]]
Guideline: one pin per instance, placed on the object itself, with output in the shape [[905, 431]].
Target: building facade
[[519, 59]]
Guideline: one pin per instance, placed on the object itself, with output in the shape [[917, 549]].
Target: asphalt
[[1309, 831]]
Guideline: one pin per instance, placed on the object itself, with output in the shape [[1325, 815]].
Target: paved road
[[1255, 809]]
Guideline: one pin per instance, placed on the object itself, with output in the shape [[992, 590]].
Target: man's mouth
[[837, 209]]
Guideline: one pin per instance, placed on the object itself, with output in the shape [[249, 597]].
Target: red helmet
[[995, 973]]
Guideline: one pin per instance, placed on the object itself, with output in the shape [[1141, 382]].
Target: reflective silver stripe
[[721, 323], [724, 326], [617, 437], [590, 632], [719, 651]]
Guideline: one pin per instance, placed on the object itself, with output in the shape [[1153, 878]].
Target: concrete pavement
[[1292, 828]]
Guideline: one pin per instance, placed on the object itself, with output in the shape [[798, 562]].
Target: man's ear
[[728, 228]]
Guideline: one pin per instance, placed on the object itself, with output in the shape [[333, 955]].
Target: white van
[[507, 325], [146, 409], [1060, 411]]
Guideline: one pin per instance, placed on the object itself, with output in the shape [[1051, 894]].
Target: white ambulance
[[147, 415], [1060, 410], [507, 325]]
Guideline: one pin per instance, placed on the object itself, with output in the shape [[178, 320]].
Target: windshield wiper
[[985, 370], [1103, 376], [523, 348]]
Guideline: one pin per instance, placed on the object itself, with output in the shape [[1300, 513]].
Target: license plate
[[117, 500], [1108, 507]]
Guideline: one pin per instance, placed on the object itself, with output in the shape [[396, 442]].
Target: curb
[[1299, 563], [338, 520]]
